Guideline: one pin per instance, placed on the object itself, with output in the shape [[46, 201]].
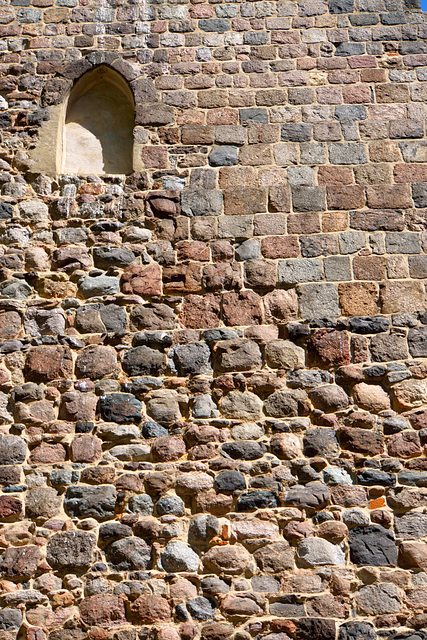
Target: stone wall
[[213, 387]]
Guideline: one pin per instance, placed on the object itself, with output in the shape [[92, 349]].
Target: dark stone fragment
[[6, 211], [19, 562], [257, 500], [372, 545], [9, 474], [253, 115], [371, 477], [106, 257], [12, 450], [341, 6], [90, 502], [157, 339], [244, 450], [316, 629], [192, 359], [153, 430], [312, 496], [394, 425], [120, 407], [417, 341], [70, 550], [320, 442], [201, 608], [377, 371], [355, 630], [113, 317], [129, 554], [227, 481], [369, 324], [142, 385], [114, 530], [141, 361], [10, 620], [35, 118], [408, 635], [84, 426]]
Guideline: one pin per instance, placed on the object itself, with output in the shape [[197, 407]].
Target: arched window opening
[[98, 127]]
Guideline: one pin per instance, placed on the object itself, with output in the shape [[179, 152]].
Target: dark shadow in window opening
[[98, 129]]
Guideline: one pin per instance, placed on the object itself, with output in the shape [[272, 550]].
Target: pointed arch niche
[[90, 129], [97, 134]]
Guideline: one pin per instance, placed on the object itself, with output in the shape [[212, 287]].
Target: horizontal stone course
[[213, 369]]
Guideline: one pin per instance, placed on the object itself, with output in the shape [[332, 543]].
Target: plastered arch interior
[[91, 130], [98, 126]]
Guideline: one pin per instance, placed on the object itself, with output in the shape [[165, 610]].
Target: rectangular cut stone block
[[377, 220], [294, 271]]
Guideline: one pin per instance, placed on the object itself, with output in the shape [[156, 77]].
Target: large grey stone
[[317, 551], [92, 286], [318, 301], [378, 599], [71, 550], [90, 502], [372, 545], [207, 202], [178, 556], [12, 450], [129, 554]]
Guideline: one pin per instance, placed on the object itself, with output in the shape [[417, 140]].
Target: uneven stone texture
[[213, 320]]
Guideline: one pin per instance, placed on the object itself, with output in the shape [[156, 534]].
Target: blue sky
[[424, 5]]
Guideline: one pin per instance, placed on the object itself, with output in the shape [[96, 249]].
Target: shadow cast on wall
[[98, 129]]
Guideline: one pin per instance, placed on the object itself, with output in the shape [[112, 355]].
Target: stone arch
[[97, 131]]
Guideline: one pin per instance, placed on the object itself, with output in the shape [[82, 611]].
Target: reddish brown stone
[[217, 504], [244, 201], [413, 555], [10, 324], [217, 277], [48, 363], [168, 448], [19, 562], [369, 268], [182, 278], [103, 610], [361, 441], [397, 195], [200, 312], [328, 175], [86, 448], [40, 412], [329, 347], [9, 506], [241, 308], [418, 419], [142, 281], [404, 445], [279, 199], [274, 247], [48, 454], [154, 157], [96, 361], [150, 610], [348, 496], [163, 204], [78, 406], [194, 250], [345, 197], [358, 298]]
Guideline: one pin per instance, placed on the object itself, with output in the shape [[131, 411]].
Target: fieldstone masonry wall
[[213, 378]]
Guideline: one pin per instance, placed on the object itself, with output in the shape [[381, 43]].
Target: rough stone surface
[[213, 320]]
